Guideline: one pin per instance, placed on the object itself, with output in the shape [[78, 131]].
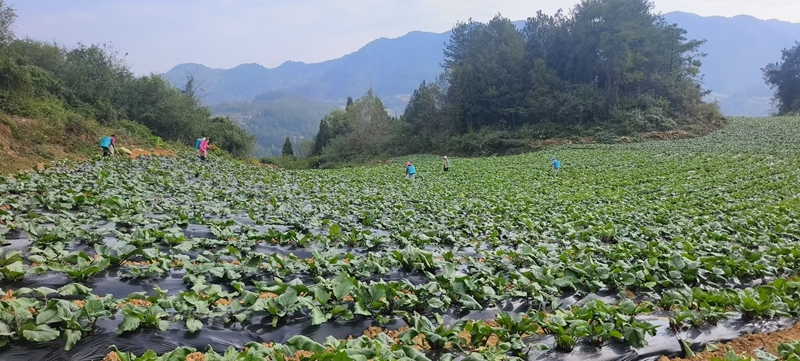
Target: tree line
[[605, 68], [50, 82]]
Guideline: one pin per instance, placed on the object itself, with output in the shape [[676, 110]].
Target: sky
[[159, 34]]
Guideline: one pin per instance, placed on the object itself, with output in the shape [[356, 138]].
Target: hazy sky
[[159, 34]]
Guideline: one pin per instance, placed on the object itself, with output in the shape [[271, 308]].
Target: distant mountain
[[392, 67], [273, 116], [737, 49]]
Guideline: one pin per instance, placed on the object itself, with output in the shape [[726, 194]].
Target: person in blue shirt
[[411, 171], [556, 165]]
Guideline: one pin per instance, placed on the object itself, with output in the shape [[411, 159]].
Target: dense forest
[[607, 68], [87, 84]]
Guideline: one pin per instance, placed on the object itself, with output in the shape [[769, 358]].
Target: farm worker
[[204, 148], [105, 143], [556, 165], [411, 171], [197, 144], [113, 144], [446, 164]]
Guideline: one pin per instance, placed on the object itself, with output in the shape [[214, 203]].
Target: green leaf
[[94, 308], [129, 323], [342, 287], [321, 294], [627, 278], [44, 291], [74, 289], [48, 316], [435, 303], [469, 302], [317, 316], [627, 307], [41, 333], [304, 343], [687, 349], [72, 337], [193, 325]]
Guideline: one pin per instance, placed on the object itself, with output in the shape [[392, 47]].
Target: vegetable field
[[631, 252]]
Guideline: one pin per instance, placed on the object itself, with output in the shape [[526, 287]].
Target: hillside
[[737, 49], [272, 116], [391, 67]]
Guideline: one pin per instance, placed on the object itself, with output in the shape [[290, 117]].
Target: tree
[[287, 148], [349, 103], [484, 64], [7, 18], [784, 77]]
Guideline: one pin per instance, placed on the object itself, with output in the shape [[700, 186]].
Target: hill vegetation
[[273, 116], [610, 68], [71, 96], [738, 45]]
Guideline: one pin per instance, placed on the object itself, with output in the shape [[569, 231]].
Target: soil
[[747, 344], [8, 296], [196, 356], [112, 356], [267, 295]]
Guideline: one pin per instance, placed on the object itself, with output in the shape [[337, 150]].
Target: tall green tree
[[784, 77], [7, 18], [287, 148], [484, 66]]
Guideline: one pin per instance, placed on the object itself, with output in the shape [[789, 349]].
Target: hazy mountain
[[737, 49], [273, 116], [392, 67]]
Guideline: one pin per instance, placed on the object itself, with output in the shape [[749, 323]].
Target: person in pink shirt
[[204, 148]]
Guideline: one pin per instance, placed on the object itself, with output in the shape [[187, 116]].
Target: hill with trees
[[737, 49], [67, 98], [610, 68]]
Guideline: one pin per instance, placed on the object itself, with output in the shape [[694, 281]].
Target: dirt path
[[746, 344]]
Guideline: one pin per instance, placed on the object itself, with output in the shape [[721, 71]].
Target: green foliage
[[609, 68], [688, 223], [784, 77], [7, 18], [570, 70], [287, 148], [362, 132], [48, 82], [273, 115]]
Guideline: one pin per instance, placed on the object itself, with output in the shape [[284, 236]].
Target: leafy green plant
[[84, 267], [436, 336], [11, 266]]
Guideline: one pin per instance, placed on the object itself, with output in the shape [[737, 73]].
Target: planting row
[[71, 312]]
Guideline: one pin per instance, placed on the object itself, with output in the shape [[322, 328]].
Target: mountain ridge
[[737, 48]]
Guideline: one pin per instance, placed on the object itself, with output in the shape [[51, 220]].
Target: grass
[[28, 143]]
